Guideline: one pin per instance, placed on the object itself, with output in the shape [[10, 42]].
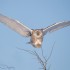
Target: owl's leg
[[29, 43]]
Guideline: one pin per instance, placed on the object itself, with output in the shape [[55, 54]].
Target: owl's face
[[38, 33], [36, 38]]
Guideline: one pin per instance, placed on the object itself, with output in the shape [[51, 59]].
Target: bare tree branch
[[4, 67], [50, 52], [43, 61]]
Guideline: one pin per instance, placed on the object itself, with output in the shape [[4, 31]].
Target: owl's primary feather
[[16, 25], [56, 26]]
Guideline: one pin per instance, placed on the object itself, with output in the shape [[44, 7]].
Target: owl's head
[[37, 33]]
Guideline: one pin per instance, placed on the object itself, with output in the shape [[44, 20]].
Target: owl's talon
[[28, 42]]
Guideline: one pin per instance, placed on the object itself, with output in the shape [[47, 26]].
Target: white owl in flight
[[35, 34]]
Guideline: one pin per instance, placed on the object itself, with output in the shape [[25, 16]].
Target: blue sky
[[35, 14]]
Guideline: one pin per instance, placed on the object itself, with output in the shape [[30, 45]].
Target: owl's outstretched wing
[[56, 26], [16, 26]]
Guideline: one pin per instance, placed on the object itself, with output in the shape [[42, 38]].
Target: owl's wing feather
[[16, 25], [56, 26]]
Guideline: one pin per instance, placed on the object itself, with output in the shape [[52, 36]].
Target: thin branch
[[29, 51], [50, 52], [41, 61], [2, 66], [38, 57]]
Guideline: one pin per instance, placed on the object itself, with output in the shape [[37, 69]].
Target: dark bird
[[35, 34]]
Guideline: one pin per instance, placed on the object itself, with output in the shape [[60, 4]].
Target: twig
[[41, 61], [2, 66]]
